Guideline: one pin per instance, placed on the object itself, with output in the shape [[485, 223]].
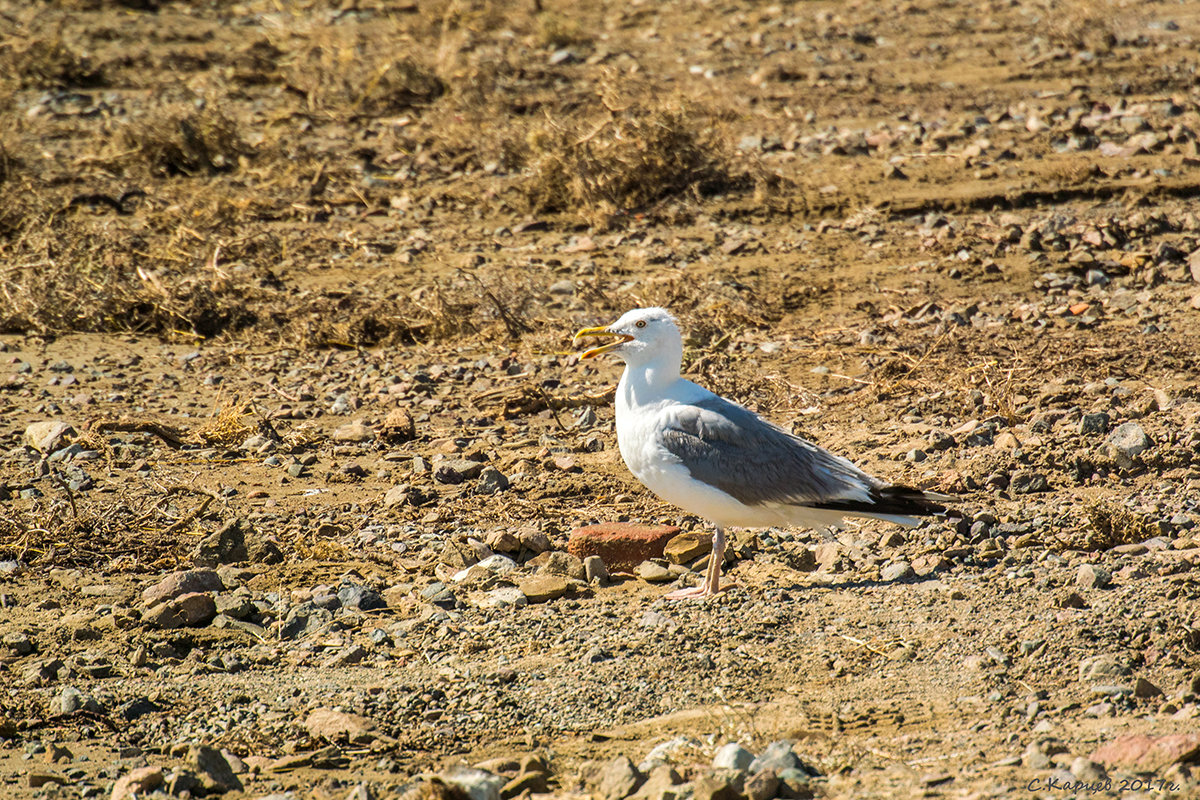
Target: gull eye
[[641, 323]]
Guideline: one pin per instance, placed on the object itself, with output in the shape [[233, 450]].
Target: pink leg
[[712, 579]]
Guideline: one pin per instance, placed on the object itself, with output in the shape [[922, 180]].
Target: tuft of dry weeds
[[346, 72], [626, 160], [1112, 524], [185, 140], [50, 63]]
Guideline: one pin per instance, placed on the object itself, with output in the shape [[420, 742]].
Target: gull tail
[[899, 504]]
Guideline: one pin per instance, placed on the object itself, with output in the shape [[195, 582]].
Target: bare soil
[[955, 241]]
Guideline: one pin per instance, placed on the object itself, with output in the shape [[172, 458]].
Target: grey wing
[[729, 447]]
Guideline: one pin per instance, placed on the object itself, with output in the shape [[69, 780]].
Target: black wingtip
[[903, 501]]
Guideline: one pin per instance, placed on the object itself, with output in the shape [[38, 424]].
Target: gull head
[[641, 335]]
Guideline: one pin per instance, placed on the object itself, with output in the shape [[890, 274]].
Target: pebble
[[618, 779], [1092, 576], [732, 756], [776, 756], [185, 582], [898, 571], [47, 436], [687, 547], [491, 481], [541, 588], [353, 432], [1128, 440], [136, 783], [1093, 423], [653, 573], [595, 570]]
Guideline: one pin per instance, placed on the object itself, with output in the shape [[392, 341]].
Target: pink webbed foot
[[695, 592]]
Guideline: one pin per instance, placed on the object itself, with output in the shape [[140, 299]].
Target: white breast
[[662, 473]]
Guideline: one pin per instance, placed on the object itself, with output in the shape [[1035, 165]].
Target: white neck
[[643, 380]]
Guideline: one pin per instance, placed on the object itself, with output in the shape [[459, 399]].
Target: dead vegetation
[[182, 140], [49, 63], [1112, 524], [624, 159]]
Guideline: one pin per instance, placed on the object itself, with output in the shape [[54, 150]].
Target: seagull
[[721, 461]]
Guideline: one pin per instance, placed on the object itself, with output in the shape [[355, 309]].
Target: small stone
[[622, 545], [226, 546], [1129, 440], [1028, 482], [141, 781], [353, 433], [1093, 423], [661, 783], [457, 470], [595, 571], [1092, 576], [178, 583], [619, 779], [687, 547], [776, 756], [491, 481], [398, 426], [397, 496], [338, 727], [214, 772], [1144, 688], [47, 436], [653, 573], [899, 571], [653, 619], [541, 588], [732, 756], [186, 611], [556, 562]]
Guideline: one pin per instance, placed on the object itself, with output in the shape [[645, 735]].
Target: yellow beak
[[622, 338]]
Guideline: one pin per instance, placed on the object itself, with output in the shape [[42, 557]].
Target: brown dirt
[[879, 224]]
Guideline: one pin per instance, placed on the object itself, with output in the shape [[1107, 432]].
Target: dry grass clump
[[185, 140], [1112, 524], [554, 31], [625, 161], [66, 271], [50, 63], [1081, 24], [349, 73]]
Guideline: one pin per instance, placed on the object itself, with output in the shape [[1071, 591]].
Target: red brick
[[621, 545], [1148, 753]]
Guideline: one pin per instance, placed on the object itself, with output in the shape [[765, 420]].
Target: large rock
[[556, 562], [141, 781], [352, 433], [619, 779], [213, 770], [185, 582], [186, 611], [48, 436], [337, 726], [622, 545], [226, 546], [540, 588], [687, 547], [1148, 753]]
